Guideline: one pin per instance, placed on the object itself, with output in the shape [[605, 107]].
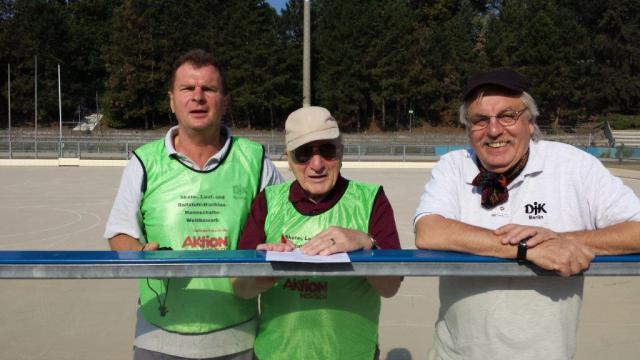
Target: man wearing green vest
[[191, 190], [321, 213]]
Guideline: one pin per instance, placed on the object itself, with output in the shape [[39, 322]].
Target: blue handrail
[[132, 264]]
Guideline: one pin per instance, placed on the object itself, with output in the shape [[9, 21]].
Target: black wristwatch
[[522, 250]]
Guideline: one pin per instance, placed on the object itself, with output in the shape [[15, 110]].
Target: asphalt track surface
[[65, 208]]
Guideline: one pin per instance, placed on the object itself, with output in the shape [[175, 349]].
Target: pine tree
[[340, 45], [448, 49], [85, 73], [391, 56], [543, 40], [611, 55], [250, 49], [30, 29], [133, 85]]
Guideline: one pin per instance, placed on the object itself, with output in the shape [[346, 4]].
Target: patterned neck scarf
[[493, 186]]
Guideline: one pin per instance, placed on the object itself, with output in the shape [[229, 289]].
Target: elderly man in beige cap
[[323, 213]]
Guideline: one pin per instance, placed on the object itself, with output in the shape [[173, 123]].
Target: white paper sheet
[[297, 256]]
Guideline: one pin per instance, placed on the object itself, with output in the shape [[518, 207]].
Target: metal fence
[[358, 147], [82, 149], [121, 149]]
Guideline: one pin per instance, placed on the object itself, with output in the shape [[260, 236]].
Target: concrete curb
[[61, 162], [625, 173], [373, 165], [279, 164]]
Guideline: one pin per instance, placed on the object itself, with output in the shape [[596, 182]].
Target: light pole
[[59, 115], [410, 119], [35, 116], [9, 105], [306, 55]]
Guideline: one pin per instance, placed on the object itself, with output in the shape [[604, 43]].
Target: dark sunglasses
[[304, 153]]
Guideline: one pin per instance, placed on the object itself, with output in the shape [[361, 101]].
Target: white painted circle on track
[[28, 221], [42, 227]]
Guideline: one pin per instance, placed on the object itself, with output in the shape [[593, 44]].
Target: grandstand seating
[[630, 138]]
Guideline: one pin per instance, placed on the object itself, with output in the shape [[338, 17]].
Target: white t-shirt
[[125, 218], [561, 188]]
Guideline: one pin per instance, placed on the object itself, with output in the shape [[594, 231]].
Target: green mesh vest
[[194, 210], [318, 317]]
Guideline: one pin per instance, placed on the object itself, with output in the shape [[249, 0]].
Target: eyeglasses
[[505, 118], [304, 153]]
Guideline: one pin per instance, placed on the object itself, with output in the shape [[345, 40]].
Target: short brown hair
[[198, 58]]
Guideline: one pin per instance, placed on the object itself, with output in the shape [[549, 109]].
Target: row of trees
[[372, 60]]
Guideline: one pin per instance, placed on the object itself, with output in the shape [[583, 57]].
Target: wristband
[[522, 250]]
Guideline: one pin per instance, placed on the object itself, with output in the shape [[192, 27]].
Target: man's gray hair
[[527, 101]]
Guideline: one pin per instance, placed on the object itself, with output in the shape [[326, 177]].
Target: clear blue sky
[[277, 4]]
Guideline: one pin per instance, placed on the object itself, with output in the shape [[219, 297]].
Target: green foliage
[[450, 47], [342, 33], [361, 60], [136, 82], [252, 51], [613, 54], [620, 121], [372, 60], [547, 48]]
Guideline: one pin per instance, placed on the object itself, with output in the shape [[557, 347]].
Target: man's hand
[[150, 246], [248, 288], [512, 234], [548, 249], [281, 247], [563, 255], [336, 239], [124, 242]]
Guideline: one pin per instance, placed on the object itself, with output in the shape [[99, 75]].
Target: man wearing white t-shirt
[[515, 196], [191, 190]]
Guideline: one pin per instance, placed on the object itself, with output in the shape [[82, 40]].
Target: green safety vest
[[186, 209], [318, 317]]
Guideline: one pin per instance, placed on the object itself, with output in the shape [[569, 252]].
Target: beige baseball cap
[[309, 124]]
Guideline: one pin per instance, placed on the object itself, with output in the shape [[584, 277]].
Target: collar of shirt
[[301, 201], [213, 161], [535, 164]]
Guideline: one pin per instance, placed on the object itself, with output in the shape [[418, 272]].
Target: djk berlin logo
[[535, 210]]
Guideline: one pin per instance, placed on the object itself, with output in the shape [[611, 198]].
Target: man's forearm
[[248, 288], [622, 238], [436, 232], [123, 242], [387, 286]]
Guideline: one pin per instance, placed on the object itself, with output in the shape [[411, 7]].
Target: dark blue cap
[[507, 79]]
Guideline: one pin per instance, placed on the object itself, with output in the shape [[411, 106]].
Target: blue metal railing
[[239, 263]]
